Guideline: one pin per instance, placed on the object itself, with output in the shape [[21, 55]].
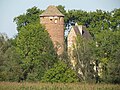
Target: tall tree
[[34, 45], [30, 17], [9, 60], [84, 58], [106, 52], [36, 51], [3, 48]]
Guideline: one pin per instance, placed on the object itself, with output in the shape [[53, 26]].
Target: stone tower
[[53, 20]]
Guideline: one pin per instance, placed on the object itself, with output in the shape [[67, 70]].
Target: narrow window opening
[[51, 18], [55, 20]]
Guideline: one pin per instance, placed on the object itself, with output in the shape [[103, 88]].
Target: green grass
[[56, 86]]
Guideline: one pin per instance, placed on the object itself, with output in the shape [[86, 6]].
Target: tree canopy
[[30, 56], [35, 49]]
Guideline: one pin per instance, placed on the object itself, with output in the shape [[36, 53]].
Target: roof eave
[[51, 15]]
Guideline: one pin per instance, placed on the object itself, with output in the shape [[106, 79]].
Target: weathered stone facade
[[53, 20], [71, 40]]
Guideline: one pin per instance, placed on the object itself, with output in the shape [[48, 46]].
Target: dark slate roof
[[51, 11], [76, 30], [85, 33]]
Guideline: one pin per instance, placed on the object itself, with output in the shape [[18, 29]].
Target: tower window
[[51, 18], [55, 20], [60, 18]]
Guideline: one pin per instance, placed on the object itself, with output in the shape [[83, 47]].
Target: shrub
[[60, 73]]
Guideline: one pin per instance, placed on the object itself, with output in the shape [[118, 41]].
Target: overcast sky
[[12, 8]]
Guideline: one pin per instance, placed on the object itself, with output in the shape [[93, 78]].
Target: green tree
[[30, 17], [60, 73], [3, 48], [34, 45], [36, 51], [12, 69], [115, 19], [9, 66], [114, 69], [106, 52], [83, 55]]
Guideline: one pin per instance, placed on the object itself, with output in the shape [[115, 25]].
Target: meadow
[[56, 86]]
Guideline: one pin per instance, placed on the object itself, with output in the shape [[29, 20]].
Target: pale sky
[[12, 8]]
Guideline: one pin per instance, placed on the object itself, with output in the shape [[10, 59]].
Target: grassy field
[[56, 86]]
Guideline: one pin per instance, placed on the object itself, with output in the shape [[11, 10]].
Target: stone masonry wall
[[55, 28]]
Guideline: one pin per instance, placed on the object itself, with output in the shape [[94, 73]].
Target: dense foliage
[[9, 67], [104, 28], [60, 73], [83, 54], [31, 55], [30, 17], [36, 51]]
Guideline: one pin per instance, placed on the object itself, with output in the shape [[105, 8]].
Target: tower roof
[[51, 11]]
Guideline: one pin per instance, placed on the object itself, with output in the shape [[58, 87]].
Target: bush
[[60, 73]]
